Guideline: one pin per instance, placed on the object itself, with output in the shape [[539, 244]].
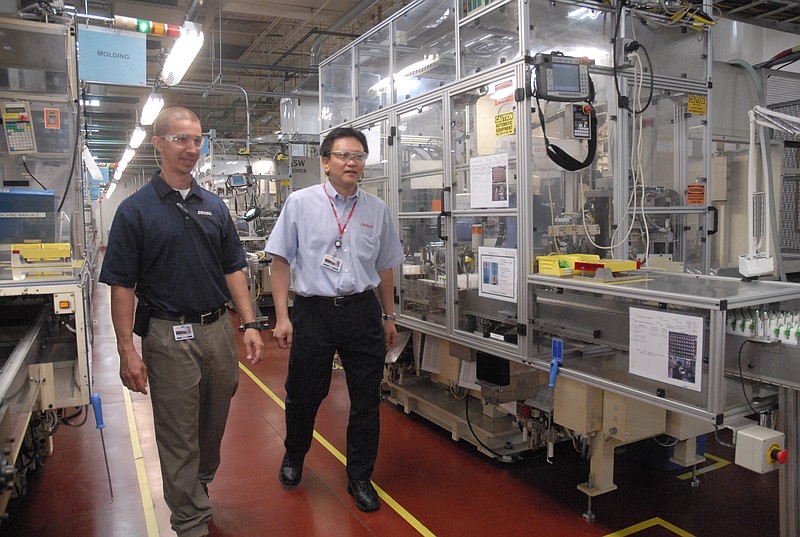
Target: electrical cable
[[719, 440], [77, 139], [65, 419], [741, 376], [469, 424], [25, 165], [666, 444]]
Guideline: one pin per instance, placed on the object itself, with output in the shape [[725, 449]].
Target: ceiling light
[[137, 137], [182, 54], [582, 13], [400, 79], [110, 190], [127, 156], [154, 104], [91, 165]]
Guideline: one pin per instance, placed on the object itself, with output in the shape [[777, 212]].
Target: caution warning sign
[[504, 124], [696, 195], [697, 104]]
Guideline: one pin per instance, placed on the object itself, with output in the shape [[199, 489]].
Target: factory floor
[[429, 484]]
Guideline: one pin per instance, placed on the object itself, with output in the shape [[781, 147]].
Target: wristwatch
[[254, 324], [389, 316]]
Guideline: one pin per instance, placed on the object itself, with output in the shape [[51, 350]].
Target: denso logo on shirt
[[364, 224], [206, 213]]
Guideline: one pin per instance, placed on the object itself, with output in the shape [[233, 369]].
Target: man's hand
[[132, 370], [389, 333], [253, 345], [283, 333]]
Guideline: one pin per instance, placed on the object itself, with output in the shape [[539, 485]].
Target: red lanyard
[[341, 227]]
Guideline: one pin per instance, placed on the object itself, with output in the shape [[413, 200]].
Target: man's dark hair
[[341, 132]]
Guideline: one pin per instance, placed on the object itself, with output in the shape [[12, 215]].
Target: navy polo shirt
[[175, 252]]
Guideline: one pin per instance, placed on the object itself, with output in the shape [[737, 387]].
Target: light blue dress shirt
[[307, 231]]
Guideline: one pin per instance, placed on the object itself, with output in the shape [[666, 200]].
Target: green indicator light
[[143, 26]]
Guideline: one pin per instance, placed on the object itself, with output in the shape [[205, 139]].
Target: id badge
[[183, 332], [331, 263]]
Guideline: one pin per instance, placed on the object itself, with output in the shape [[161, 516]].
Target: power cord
[[25, 165]]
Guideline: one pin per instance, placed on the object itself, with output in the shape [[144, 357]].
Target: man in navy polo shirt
[[173, 245]]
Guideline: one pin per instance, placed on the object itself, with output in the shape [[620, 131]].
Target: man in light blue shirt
[[337, 245]]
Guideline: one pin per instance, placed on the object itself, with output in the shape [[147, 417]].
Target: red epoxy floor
[[446, 488]]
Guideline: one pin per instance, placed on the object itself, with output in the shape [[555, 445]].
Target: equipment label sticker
[[504, 124]]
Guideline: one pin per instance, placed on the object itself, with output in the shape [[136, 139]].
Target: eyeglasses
[[184, 139], [346, 156]]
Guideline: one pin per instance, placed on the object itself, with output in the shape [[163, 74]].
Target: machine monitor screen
[[561, 78], [566, 77], [237, 180]]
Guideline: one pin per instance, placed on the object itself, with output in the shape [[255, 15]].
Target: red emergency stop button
[[587, 109], [777, 454]]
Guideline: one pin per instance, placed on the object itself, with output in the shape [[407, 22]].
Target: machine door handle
[[442, 214], [714, 210], [439, 224]]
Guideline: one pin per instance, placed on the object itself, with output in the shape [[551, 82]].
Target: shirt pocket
[[367, 246]]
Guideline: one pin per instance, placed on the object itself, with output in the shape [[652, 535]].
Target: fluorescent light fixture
[[91, 165], [417, 68], [400, 79], [154, 104], [127, 155], [582, 13], [89, 102], [137, 137], [264, 167], [111, 187], [182, 54], [120, 168]]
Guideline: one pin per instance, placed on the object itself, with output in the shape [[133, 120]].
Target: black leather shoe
[[365, 495], [291, 472]]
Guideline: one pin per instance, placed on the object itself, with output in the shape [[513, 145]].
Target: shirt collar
[[163, 189], [333, 193]]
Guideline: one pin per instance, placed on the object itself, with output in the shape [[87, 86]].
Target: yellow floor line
[[408, 517], [649, 524], [710, 468], [141, 473]]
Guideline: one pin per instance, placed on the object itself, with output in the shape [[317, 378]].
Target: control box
[[561, 78], [579, 117], [18, 126], [760, 449]]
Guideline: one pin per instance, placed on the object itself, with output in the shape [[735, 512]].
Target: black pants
[[355, 330]]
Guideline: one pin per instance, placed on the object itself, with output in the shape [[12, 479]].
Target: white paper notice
[[489, 181], [667, 347], [498, 273], [468, 375], [430, 356]]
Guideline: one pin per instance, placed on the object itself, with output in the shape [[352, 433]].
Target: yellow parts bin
[[581, 264], [563, 265], [41, 252]]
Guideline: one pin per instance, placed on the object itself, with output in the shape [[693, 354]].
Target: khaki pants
[[191, 384]]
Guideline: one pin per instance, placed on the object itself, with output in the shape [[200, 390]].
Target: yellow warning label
[[697, 104], [696, 195], [504, 124]]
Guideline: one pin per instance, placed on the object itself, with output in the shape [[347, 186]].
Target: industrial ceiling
[[258, 51], [255, 52]]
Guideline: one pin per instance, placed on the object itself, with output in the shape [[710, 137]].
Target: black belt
[[192, 318], [339, 300]]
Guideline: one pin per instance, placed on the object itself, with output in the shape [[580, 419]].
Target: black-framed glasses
[[184, 139], [347, 156]]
